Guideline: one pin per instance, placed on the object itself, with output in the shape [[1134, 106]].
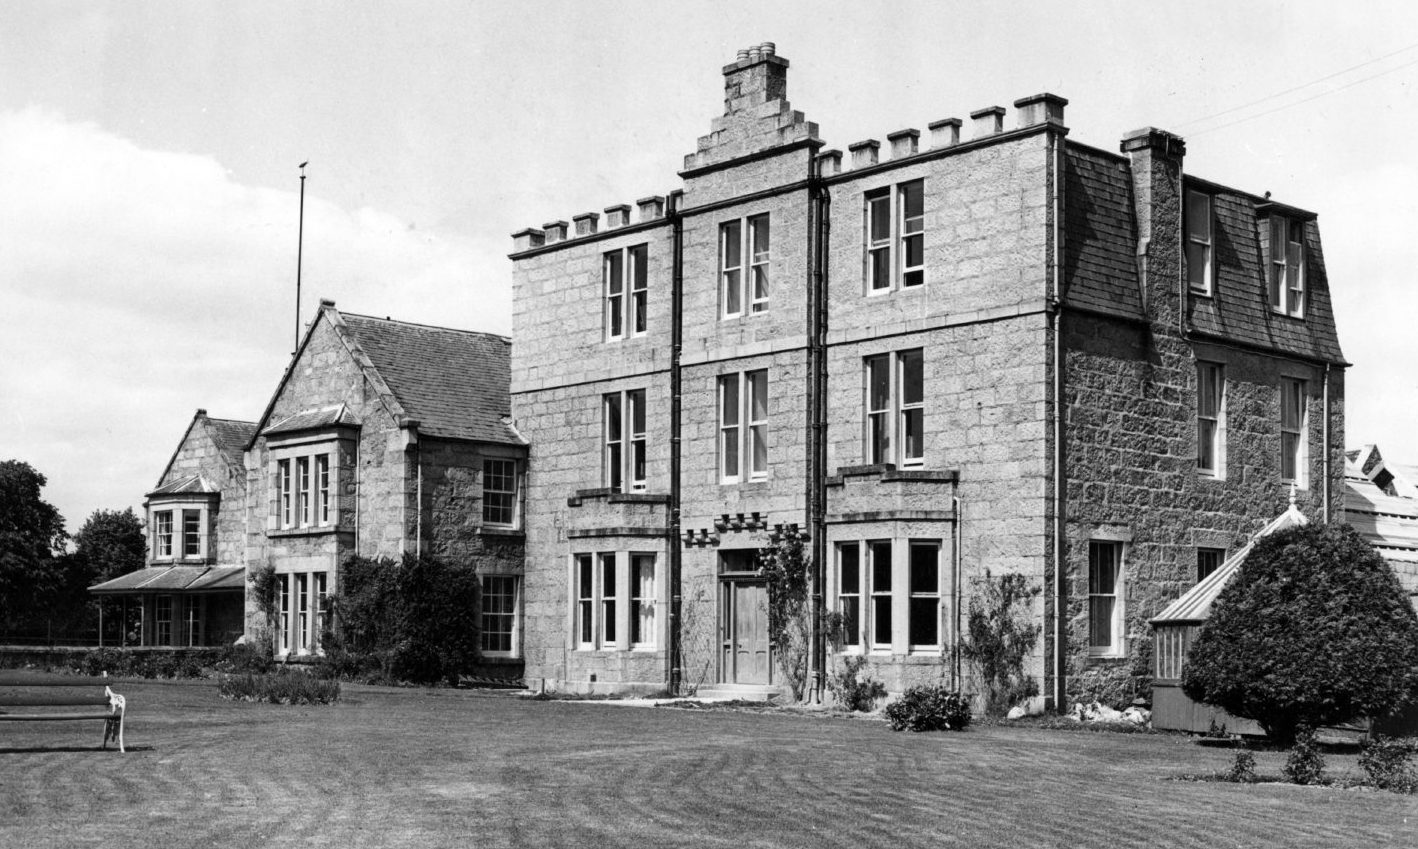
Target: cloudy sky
[[149, 188]]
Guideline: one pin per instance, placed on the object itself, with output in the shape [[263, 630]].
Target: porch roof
[[1194, 606], [176, 579]]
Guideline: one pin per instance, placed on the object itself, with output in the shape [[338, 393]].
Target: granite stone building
[[385, 438], [991, 350], [192, 592], [382, 438]]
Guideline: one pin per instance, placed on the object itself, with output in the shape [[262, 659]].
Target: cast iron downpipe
[[817, 230], [1055, 317], [676, 654]]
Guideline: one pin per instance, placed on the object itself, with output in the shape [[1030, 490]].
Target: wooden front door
[[746, 656]]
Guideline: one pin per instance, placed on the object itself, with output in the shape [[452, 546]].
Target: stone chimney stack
[[757, 115], [756, 77], [1156, 159]]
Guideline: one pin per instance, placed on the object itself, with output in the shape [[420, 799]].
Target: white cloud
[[138, 285]]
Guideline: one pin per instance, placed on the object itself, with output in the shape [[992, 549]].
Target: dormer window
[[1287, 266]]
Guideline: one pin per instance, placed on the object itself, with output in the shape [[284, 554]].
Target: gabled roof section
[[455, 383], [336, 416], [1195, 605], [191, 485], [230, 436], [450, 383]]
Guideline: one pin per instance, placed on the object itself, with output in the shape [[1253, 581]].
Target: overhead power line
[[1301, 87]]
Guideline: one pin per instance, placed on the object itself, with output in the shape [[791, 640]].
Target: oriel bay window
[[626, 283], [743, 426], [895, 227], [895, 408], [162, 521], [744, 247], [304, 494], [1292, 431], [615, 596], [889, 603], [624, 440], [179, 533]]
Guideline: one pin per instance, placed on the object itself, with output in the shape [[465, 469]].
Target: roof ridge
[[391, 320]]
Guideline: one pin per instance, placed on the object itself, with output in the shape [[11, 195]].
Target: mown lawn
[[389, 767]]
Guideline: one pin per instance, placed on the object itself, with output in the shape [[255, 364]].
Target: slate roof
[[1239, 307], [176, 579], [1100, 264], [1195, 604], [231, 437], [1100, 234], [328, 417], [454, 382], [192, 484]]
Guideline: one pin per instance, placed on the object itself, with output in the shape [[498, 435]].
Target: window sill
[[303, 532], [753, 483], [1298, 485], [1106, 654], [493, 531]]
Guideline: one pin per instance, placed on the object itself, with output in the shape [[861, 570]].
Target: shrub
[[786, 567], [927, 708], [851, 689], [415, 620], [245, 657], [1386, 762], [279, 688], [1243, 768], [1305, 764], [999, 635], [1314, 629]]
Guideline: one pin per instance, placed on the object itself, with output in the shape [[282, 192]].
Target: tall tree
[[31, 536], [110, 544]]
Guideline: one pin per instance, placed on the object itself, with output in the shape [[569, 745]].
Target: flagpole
[[299, 249]]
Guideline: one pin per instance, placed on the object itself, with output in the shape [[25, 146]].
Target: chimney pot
[[1043, 108], [754, 55], [768, 48], [327, 302], [829, 162], [864, 153], [617, 216], [527, 239], [945, 133], [742, 57], [988, 121], [586, 223], [904, 142]]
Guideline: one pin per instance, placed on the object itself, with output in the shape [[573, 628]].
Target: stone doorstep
[[731, 692]]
